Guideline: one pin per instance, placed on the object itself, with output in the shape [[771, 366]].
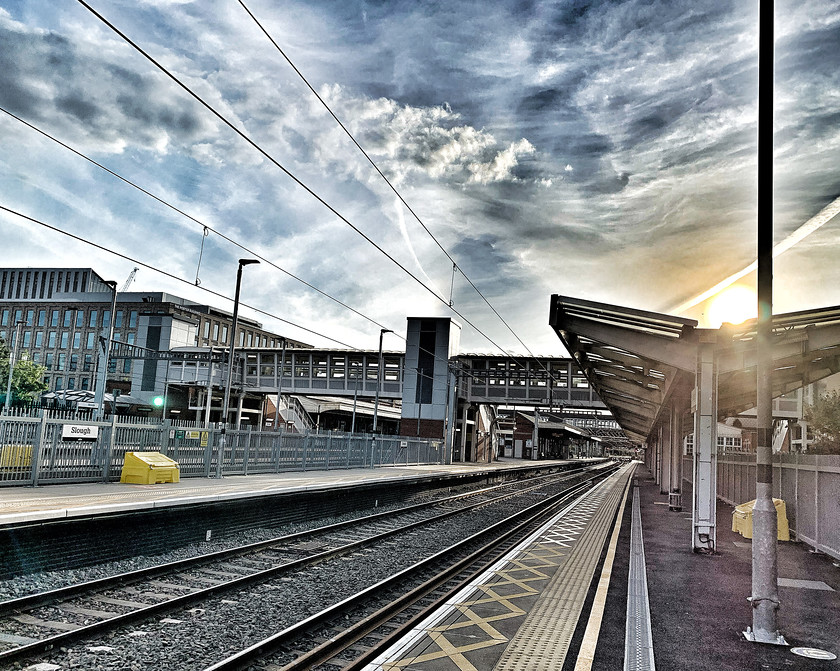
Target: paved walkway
[[699, 605], [28, 504]]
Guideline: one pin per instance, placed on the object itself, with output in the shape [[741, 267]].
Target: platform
[[25, 504], [559, 601]]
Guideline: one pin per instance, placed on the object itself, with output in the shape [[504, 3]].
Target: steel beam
[[704, 530]]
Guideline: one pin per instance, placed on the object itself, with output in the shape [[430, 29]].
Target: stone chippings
[[196, 638]]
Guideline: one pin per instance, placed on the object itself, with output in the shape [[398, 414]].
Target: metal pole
[[765, 591], [355, 396], [12, 359], [279, 387], [209, 394], [382, 332], [231, 362], [100, 388]]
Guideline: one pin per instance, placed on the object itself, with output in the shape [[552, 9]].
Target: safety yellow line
[[586, 654]]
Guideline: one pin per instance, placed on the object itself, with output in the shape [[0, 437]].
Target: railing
[[35, 450], [807, 483]]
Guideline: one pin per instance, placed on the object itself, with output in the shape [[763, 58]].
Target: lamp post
[[382, 332], [12, 359], [355, 396], [102, 376], [226, 401]]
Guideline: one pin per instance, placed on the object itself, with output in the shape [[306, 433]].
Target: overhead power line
[[285, 170], [188, 216], [167, 274], [455, 265]]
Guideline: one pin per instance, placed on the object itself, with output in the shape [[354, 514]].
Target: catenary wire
[[206, 228], [167, 274], [383, 176], [188, 216], [285, 170]]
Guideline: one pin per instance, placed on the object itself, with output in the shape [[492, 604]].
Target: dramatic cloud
[[599, 149]]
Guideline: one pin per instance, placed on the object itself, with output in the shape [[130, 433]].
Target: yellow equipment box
[[149, 468], [15, 456], [742, 519]]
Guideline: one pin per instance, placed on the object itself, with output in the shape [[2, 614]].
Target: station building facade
[[60, 313]]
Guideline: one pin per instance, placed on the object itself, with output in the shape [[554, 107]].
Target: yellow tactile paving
[[483, 625]]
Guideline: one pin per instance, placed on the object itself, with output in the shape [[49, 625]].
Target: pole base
[[771, 638], [675, 501]]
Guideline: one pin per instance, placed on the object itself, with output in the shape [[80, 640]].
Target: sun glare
[[733, 305]]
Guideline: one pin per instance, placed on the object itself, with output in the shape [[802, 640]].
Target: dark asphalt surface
[[699, 605]]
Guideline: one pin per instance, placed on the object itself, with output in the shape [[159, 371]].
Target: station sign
[[79, 432]]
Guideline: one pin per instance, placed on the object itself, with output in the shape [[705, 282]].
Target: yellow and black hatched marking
[[491, 624]]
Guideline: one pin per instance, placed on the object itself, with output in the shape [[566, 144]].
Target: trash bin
[[742, 519], [149, 468]]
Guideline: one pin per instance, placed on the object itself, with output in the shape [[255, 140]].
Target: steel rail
[[30, 601], [61, 639], [355, 632]]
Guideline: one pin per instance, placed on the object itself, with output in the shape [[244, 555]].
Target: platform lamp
[[382, 332], [102, 376], [226, 402], [12, 360]]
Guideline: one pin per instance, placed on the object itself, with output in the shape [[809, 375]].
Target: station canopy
[[641, 362]]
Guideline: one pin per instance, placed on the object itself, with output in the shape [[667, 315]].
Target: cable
[[387, 181], [188, 216], [169, 275], [205, 227], [274, 161]]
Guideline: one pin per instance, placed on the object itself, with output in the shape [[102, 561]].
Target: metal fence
[[809, 484], [45, 449]]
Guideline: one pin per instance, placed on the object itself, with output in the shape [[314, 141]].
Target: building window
[[106, 318], [54, 318], [87, 367], [74, 362], [225, 334], [337, 367], [80, 318], [77, 340], [206, 329], [216, 331], [27, 338], [91, 338], [48, 361], [59, 383], [30, 317], [92, 321], [4, 321], [62, 361], [85, 383], [39, 339], [65, 339], [132, 319], [71, 382], [118, 319], [42, 317], [68, 318]]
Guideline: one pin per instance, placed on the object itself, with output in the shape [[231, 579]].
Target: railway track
[[38, 624]]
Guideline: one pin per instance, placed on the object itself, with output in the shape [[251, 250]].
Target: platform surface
[[698, 602], [23, 504]]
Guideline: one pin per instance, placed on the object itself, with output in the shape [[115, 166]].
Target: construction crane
[[129, 280]]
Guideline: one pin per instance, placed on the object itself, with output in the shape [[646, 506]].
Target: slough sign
[[79, 432]]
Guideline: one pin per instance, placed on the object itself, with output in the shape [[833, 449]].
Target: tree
[[27, 377], [823, 416]]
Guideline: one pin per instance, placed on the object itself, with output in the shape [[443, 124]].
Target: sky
[[599, 150]]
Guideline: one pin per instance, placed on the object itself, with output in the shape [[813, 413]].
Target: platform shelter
[[664, 378]]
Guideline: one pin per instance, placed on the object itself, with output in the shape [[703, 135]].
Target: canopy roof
[[638, 361]]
